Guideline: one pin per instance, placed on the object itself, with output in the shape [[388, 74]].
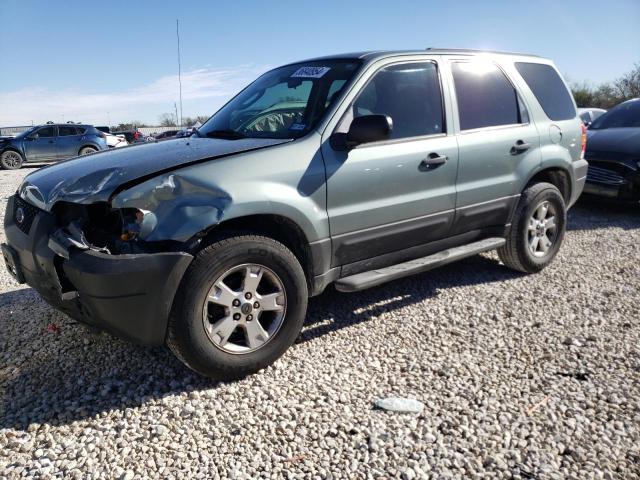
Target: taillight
[[584, 141], [101, 135]]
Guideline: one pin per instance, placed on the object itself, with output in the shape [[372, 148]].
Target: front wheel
[[87, 150], [240, 306], [537, 231], [11, 160]]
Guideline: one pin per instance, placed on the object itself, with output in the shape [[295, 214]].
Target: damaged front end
[[93, 262], [100, 228]]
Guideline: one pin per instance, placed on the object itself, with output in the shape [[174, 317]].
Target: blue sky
[[90, 62]]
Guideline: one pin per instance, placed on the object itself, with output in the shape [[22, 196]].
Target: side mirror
[[369, 128], [33, 136]]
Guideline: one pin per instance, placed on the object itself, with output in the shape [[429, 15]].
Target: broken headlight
[[137, 224]]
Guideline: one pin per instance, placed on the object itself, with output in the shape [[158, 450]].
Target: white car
[[588, 115], [116, 141]]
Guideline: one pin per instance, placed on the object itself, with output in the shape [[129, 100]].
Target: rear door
[[68, 141], [40, 146], [498, 144], [391, 195]]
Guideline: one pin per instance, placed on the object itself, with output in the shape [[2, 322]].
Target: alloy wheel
[[542, 230], [244, 308], [12, 159]]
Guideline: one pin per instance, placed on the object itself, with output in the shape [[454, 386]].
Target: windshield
[[26, 132], [284, 103], [624, 115]]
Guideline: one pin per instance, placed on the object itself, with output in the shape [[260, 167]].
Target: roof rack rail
[[471, 50]]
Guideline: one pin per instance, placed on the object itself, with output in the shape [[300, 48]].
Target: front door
[[497, 144], [389, 196], [40, 146]]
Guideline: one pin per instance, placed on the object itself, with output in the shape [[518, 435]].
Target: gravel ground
[[521, 377]]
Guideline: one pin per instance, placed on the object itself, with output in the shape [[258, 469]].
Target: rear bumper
[[579, 179], [127, 295]]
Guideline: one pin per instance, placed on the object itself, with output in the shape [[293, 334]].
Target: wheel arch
[[91, 145], [559, 176], [277, 227]]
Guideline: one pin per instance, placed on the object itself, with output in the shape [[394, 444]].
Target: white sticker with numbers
[[310, 72]]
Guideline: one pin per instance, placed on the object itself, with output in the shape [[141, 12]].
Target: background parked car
[[50, 143], [134, 136], [187, 132], [588, 115], [166, 135], [613, 152], [115, 141]]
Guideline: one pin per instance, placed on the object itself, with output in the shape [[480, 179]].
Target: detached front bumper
[[613, 179], [127, 295]]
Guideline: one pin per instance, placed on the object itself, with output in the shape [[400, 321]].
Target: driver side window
[[410, 94], [46, 132]]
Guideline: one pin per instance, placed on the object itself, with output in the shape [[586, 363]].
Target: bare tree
[[166, 120]]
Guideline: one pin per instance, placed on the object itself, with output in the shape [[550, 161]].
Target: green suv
[[350, 170]]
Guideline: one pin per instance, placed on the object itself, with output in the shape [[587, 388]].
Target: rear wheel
[[240, 306], [537, 231], [11, 160], [87, 150]]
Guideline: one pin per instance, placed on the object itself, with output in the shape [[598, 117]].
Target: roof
[[377, 54]]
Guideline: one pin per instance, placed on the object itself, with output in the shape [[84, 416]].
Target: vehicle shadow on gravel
[[335, 310], [591, 213], [67, 375]]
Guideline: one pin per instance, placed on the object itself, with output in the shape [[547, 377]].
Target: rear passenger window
[[485, 96], [66, 131], [549, 89], [410, 94]]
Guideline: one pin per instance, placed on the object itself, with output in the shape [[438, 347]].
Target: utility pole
[[176, 107], [179, 71]]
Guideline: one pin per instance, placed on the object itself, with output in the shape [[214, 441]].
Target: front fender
[[286, 180]]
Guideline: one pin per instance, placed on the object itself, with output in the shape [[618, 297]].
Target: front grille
[[602, 175], [25, 218]]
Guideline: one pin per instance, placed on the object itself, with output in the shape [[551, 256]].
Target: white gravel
[[520, 377]]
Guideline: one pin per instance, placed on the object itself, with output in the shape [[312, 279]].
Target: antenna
[[179, 71]]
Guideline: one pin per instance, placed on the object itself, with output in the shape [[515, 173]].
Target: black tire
[[186, 335], [517, 253], [87, 151], [11, 160]]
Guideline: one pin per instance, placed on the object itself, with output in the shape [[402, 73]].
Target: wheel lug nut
[[247, 295], [236, 316], [256, 305], [249, 317], [236, 303]]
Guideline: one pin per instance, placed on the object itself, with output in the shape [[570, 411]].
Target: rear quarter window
[[549, 90]]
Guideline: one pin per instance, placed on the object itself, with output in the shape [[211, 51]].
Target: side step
[[361, 281]]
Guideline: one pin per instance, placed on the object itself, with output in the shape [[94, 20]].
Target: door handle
[[434, 160], [519, 147], [50, 141]]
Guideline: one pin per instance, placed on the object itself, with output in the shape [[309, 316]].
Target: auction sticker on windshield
[[310, 72]]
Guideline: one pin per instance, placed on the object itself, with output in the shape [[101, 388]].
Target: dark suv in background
[[50, 143]]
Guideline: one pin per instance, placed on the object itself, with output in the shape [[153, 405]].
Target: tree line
[[608, 94]]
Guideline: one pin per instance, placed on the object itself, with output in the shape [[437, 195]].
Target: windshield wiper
[[228, 134]]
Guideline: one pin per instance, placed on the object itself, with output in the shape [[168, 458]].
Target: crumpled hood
[[94, 178], [625, 141]]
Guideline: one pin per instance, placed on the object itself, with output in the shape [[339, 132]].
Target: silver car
[[350, 170]]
